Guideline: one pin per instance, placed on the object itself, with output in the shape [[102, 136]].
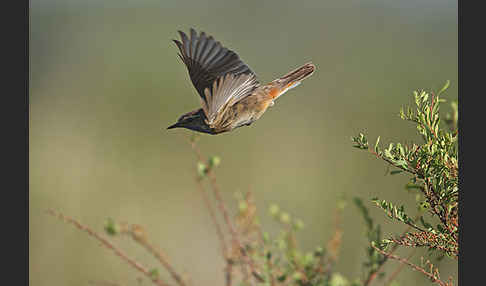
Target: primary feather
[[207, 60]]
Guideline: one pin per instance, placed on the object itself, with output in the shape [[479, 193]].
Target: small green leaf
[[214, 161], [285, 218], [338, 280], [402, 163], [308, 259], [446, 86], [424, 205], [266, 237], [376, 144], [411, 186], [400, 149], [202, 169], [425, 96], [319, 251], [298, 224], [154, 273], [297, 276], [341, 203], [273, 210], [242, 206], [111, 227], [282, 278]]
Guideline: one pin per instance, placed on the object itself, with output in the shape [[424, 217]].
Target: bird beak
[[173, 126]]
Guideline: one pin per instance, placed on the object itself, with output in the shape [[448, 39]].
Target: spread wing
[[207, 60], [226, 91]]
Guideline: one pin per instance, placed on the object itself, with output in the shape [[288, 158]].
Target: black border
[[15, 139], [26, 48], [460, 124], [15, 132], [471, 217]]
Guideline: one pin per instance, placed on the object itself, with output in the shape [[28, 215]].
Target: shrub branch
[[110, 246]]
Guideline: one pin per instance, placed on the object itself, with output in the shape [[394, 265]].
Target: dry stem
[[225, 214], [397, 271], [139, 235], [224, 248], [433, 276], [394, 247], [109, 245]]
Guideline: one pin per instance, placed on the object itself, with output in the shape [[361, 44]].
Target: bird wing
[[226, 91], [207, 60]]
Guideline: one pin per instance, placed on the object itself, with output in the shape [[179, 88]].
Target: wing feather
[[226, 91], [207, 60]]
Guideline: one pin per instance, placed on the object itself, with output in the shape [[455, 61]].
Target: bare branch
[[139, 235], [399, 268], [433, 275], [110, 246], [225, 214]]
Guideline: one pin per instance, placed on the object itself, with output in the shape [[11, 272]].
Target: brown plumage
[[231, 96]]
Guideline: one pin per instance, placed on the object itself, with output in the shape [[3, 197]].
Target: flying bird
[[230, 93]]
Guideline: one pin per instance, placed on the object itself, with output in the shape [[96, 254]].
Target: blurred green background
[[106, 81]]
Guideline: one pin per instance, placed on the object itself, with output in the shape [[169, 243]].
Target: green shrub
[[433, 170]]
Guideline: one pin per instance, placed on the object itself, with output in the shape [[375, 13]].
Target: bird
[[230, 94]]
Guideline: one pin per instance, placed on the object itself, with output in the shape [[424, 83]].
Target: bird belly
[[242, 119], [249, 110]]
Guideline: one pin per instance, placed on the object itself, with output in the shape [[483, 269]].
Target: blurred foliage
[[373, 233], [278, 259]]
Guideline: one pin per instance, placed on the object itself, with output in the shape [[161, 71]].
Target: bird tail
[[291, 79]]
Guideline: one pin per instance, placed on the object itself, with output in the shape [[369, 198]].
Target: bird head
[[193, 120]]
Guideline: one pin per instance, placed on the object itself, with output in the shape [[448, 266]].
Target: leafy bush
[[433, 170]]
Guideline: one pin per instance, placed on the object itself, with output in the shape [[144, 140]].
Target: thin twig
[[432, 277], [229, 273], [399, 268], [232, 230], [394, 247], [226, 217], [109, 245], [244, 273], [139, 235], [219, 232], [208, 204], [414, 172]]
